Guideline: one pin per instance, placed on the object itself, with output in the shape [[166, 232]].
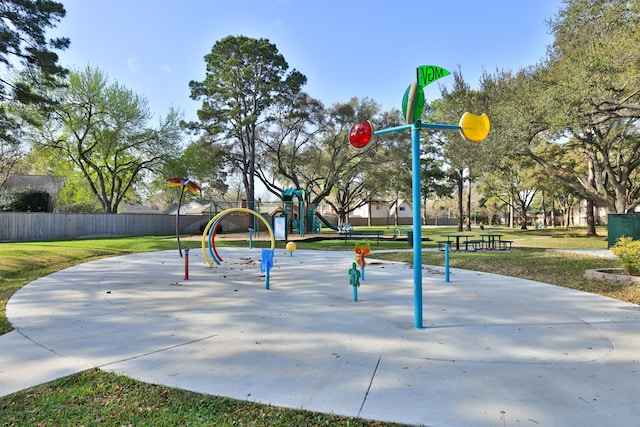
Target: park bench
[[505, 244], [476, 244], [473, 244], [361, 234]]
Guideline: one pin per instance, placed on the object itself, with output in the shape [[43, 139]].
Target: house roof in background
[[136, 208]]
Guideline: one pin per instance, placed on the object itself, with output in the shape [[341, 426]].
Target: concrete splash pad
[[494, 350]]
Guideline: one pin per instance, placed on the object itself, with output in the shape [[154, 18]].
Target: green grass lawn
[[98, 398], [95, 397]]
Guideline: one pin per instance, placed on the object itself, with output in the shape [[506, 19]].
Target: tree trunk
[[591, 220], [591, 223], [524, 216], [544, 210], [511, 210], [342, 217], [424, 210], [251, 175], [469, 202], [395, 206]]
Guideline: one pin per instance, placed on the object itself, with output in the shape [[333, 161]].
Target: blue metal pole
[[446, 263], [395, 129], [420, 125], [417, 224], [417, 217], [251, 238]]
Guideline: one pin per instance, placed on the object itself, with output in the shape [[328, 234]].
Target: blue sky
[[346, 48]]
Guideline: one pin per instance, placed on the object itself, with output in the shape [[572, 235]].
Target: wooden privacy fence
[[24, 226]]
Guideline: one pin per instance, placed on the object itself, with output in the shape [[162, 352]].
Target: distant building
[[373, 209], [379, 212], [404, 209]]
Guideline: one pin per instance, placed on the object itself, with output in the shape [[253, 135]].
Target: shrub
[[627, 251], [24, 200]]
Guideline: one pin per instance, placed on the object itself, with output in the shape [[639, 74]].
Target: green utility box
[[623, 225]]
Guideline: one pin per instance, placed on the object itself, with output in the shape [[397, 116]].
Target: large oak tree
[[245, 80], [592, 99], [104, 130]]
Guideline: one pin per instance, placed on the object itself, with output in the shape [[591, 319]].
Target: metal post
[[302, 217], [417, 224], [186, 264], [178, 220], [417, 217], [446, 263]]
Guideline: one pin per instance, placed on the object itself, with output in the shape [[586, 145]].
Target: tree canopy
[[25, 49], [103, 129], [245, 79], [592, 98], [566, 126]]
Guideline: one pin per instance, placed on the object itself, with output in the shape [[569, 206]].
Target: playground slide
[[326, 222]]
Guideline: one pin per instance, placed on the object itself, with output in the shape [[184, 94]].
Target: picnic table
[[457, 237], [489, 241], [492, 240]]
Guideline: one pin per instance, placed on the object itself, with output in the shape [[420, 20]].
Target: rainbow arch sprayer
[[211, 255]]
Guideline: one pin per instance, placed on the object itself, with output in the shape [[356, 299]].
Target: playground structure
[[300, 215], [326, 222], [291, 209]]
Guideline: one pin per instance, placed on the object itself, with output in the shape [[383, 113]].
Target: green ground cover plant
[[627, 251], [95, 397]]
